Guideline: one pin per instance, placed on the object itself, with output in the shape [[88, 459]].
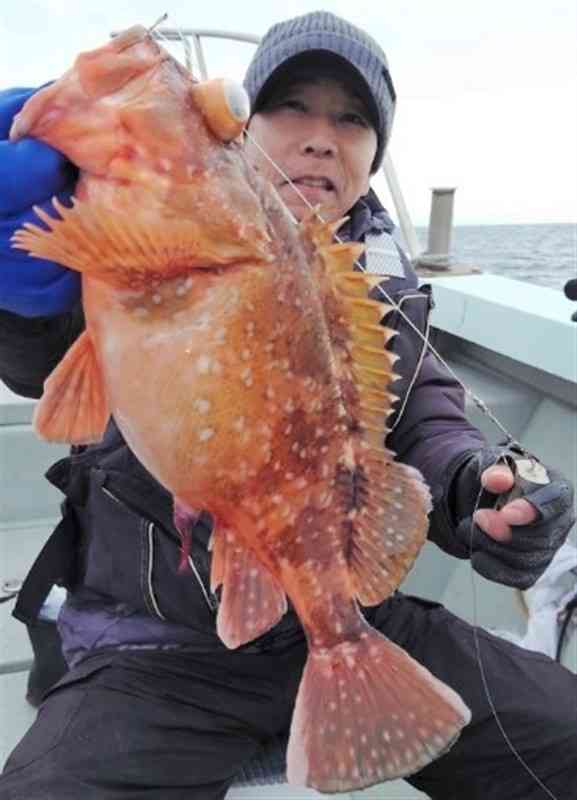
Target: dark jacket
[[122, 573]]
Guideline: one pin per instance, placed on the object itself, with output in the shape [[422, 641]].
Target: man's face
[[319, 133]]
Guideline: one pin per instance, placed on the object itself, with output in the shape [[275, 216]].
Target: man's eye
[[352, 118], [296, 105]]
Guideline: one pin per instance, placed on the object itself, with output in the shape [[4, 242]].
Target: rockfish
[[246, 367]]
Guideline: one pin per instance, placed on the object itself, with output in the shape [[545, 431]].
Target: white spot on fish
[[157, 299], [202, 323], [206, 434], [204, 365], [201, 405]]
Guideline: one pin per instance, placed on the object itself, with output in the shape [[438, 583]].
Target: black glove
[[521, 561]]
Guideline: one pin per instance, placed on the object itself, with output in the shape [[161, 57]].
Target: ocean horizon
[[544, 253]]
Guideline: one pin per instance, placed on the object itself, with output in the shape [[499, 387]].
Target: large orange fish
[[246, 367]]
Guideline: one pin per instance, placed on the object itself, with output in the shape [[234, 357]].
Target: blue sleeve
[[31, 173]]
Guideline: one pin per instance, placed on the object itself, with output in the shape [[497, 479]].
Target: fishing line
[[485, 682], [501, 457], [476, 400]]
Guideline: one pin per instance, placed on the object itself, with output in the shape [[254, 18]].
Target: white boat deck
[[515, 348]]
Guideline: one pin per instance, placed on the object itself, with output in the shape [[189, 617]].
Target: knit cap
[[323, 31]]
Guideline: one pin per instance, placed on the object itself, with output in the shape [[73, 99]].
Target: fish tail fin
[[365, 713]]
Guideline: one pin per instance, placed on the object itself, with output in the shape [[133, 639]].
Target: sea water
[[542, 254]]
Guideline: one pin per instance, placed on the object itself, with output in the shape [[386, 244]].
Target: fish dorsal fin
[[252, 601], [74, 407], [387, 502]]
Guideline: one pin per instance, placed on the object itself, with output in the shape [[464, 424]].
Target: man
[[154, 705]]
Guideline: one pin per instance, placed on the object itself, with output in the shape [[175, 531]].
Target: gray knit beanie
[[323, 31]]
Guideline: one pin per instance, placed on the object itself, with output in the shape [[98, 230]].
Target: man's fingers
[[493, 524], [497, 479], [519, 512], [497, 524]]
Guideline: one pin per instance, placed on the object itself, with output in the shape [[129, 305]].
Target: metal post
[[441, 222], [405, 222]]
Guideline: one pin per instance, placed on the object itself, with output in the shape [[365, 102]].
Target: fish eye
[[225, 106]]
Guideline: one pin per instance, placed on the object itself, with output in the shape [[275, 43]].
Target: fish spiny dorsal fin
[[319, 232], [341, 258], [386, 502]]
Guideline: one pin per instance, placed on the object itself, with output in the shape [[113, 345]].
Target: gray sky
[[487, 88]]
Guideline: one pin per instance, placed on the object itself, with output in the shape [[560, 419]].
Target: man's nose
[[319, 140]]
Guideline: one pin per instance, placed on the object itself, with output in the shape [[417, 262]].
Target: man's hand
[[498, 524], [515, 544]]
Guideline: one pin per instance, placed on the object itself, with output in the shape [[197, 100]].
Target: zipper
[[150, 587], [210, 599]]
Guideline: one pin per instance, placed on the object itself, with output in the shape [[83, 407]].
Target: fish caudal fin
[[252, 600], [365, 713], [74, 407]]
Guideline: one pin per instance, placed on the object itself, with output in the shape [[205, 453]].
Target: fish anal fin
[[252, 601], [74, 407], [366, 712]]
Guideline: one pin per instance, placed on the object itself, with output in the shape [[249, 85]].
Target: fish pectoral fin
[[74, 407], [366, 712], [388, 527], [252, 601]]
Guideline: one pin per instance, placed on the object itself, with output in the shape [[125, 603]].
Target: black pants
[[171, 725]]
